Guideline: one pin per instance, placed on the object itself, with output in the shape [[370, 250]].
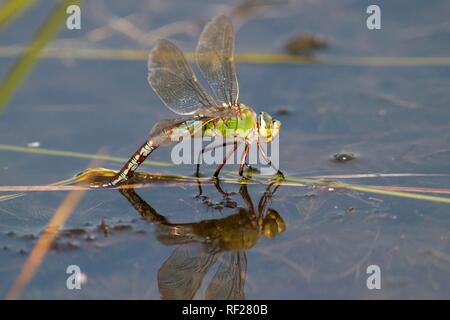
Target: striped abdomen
[[132, 164]]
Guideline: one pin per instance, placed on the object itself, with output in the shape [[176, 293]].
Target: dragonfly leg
[[247, 199], [235, 146], [200, 155], [197, 172], [131, 165], [244, 159], [269, 162], [226, 195], [218, 187], [251, 168]]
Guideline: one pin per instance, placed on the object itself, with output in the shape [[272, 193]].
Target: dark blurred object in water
[[343, 157], [251, 8], [282, 111], [305, 44]]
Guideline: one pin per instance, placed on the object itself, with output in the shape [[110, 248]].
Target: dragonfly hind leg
[[208, 148], [225, 159]]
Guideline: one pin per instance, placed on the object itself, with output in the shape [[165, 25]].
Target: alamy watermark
[[373, 22], [374, 280], [73, 21], [199, 149], [76, 278]]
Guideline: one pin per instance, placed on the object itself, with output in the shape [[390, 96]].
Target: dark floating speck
[[65, 246], [74, 232], [122, 227], [351, 210], [305, 44], [29, 236], [283, 111], [104, 227], [343, 157]]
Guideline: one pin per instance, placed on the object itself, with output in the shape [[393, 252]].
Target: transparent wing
[[168, 131], [172, 78], [229, 281], [182, 273], [215, 58], [161, 131]]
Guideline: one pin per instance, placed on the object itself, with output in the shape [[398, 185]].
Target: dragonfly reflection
[[200, 245]]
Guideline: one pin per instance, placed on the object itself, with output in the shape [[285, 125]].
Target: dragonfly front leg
[[269, 162], [131, 165]]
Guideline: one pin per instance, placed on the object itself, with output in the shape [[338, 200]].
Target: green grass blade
[[12, 9], [242, 57], [17, 75], [408, 195], [71, 154], [289, 181]]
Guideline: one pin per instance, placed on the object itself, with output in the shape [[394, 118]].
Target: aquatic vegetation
[[31, 53]]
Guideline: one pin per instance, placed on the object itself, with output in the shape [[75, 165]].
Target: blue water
[[394, 119]]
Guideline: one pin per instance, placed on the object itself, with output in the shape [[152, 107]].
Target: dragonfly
[[199, 113]]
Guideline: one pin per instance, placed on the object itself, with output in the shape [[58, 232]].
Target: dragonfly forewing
[[215, 58], [172, 78]]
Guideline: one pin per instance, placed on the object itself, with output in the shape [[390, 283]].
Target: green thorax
[[240, 125]]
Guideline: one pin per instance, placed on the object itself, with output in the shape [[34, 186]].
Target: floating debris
[[72, 233], [122, 227], [34, 144], [282, 111], [104, 227], [305, 44], [343, 157], [351, 210], [29, 236]]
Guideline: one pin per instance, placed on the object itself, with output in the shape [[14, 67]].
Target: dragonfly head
[[273, 224], [268, 128]]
